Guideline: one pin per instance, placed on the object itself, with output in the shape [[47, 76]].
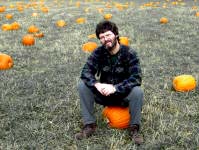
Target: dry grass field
[[39, 102]]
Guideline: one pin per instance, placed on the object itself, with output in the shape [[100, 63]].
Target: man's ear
[[117, 36]]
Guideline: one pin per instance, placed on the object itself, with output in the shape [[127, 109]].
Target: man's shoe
[[87, 131], [135, 136]]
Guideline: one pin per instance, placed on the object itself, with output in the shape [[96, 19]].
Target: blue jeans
[[88, 99]]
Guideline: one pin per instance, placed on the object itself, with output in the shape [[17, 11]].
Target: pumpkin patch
[[47, 43]]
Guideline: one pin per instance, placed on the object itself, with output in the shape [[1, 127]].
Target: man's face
[[108, 39]]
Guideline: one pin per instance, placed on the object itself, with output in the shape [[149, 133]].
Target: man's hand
[[105, 89]]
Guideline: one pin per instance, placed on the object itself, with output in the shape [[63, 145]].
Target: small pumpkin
[[77, 4], [2, 9], [12, 6], [92, 36], [28, 40], [89, 46], [60, 23], [197, 14], [6, 27], [20, 8], [184, 83], [34, 14], [107, 16], [15, 25], [80, 20], [117, 117], [44, 9], [100, 10], [124, 40], [39, 35], [164, 20], [33, 29], [9, 16], [6, 61], [194, 7]]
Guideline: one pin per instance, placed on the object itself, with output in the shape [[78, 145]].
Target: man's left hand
[[108, 89]]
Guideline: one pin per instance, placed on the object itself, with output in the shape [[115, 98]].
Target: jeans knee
[[136, 93], [81, 86]]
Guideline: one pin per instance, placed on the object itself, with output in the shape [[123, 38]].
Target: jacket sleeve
[[90, 69], [135, 77]]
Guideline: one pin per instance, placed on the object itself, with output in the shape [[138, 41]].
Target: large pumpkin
[[6, 61], [184, 83], [118, 117], [89, 46]]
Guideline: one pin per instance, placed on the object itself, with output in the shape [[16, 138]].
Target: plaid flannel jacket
[[124, 74]]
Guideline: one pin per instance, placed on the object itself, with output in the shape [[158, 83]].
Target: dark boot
[[134, 134], [87, 131]]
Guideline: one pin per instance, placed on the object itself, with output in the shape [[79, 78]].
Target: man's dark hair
[[106, 25]]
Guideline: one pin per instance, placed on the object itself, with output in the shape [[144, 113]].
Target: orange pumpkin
[[92, 36], [164, 20], [89, 46], [6, 61], [184, 83], [118, 117], [107, 16], [6, 27], [9, 16], [39, 35], [15, 25], [33, 29], [80, 20], [194, 7], [100, 10], [77, 4], [20, 8], [2, 9], [12, 6], [197, 14], [60, 23], [28, 40], [34, 14], [124, 40], [44, 9]]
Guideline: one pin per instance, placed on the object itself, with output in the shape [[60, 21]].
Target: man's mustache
[[108, 41]]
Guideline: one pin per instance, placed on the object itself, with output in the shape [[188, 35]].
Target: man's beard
[[112, 46]]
